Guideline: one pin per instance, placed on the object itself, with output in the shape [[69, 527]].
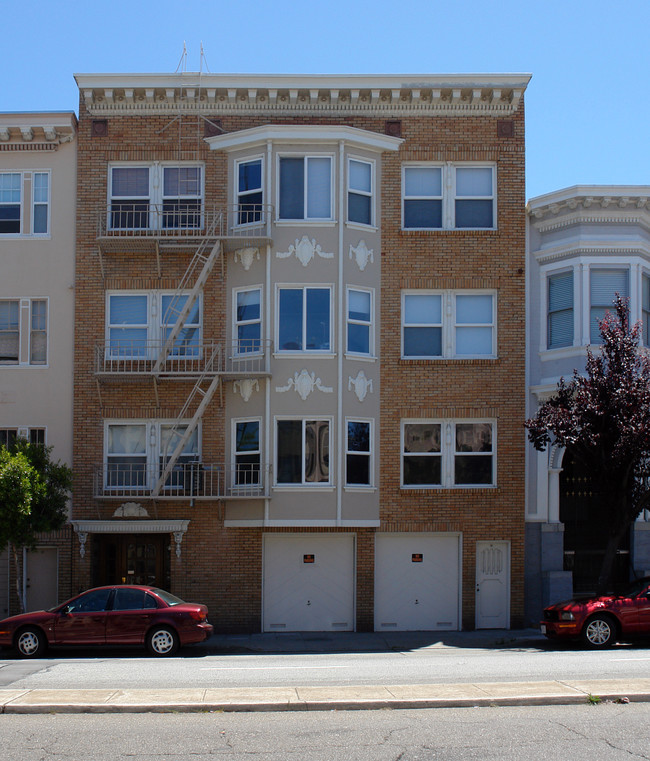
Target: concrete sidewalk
[[328, 698], [322, 698]]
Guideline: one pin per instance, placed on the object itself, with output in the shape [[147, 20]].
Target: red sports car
[[601, 621], [117, 615]]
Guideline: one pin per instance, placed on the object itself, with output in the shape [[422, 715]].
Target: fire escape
[[209, 235]]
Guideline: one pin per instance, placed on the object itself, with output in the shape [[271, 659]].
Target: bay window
[[359, 329], [360, 192], [249, 191], [305, 187], [358, 465], [302, 452], [304, 319], [248, 320]]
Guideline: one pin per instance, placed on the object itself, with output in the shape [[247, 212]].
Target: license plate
[[543, 628]]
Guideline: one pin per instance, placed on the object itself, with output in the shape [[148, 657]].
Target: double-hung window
[[248, 320], [137, 453], [358, 451], [359, 333], [360, 201], [604, 285], [447, 454], [24, 203], [138, 323], [23, 332], [304, 319], [247, 452], [448, 324], [249, 191], [302, 452], [128, 325], [155, 197], [449, 196], [305, 188], [560, 310]]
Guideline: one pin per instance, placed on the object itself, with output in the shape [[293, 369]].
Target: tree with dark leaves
[[603, 417]]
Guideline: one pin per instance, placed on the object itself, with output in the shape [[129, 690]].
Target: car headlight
[[566, 615]]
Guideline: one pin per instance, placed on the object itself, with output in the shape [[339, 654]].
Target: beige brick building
[[299, 351]]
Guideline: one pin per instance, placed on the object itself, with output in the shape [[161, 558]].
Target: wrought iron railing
[[188, 480], [189, 358], [141, 219]]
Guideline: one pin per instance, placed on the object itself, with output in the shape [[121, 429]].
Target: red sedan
[[601, 621], [117, 615]]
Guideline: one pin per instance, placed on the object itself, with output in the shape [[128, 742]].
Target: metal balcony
[[187, 481], [187, 359], [141, 224]]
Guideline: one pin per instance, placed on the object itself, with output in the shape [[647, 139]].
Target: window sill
[[325, 488], [25, 236], [440, 488], [303, 354], [361, 357], [362, 226], [360, 489], [448, 360], [446, 230], [305, 223]]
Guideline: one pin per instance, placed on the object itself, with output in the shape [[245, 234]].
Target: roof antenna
[[182, 64], [203, 61]]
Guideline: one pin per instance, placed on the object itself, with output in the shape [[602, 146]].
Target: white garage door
[[417, 582], [308, 582]]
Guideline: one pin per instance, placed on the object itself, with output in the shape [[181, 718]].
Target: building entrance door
[[131, 559]]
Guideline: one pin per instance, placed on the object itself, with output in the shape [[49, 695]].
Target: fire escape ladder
[[197, 273], [211, 371]]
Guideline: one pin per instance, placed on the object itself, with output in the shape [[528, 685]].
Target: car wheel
[[599, 631], [162, 641], [31, 642]]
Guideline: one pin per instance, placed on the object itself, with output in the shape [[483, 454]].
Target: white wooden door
[[417, 582], [493, 585], [42, 578], [308, 582]]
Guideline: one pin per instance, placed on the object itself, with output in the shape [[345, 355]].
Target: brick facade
[[220, 564]]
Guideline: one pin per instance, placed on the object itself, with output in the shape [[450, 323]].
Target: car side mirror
[[66, 610]]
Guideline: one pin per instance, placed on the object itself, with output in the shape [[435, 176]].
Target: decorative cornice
[[610, 250], [466, 94], [35, 131], [622, 204]]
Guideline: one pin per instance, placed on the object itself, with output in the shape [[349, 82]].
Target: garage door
[[417, 582], [308, 582]]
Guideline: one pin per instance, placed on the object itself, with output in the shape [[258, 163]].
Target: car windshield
[[636, 586], [168, 597]]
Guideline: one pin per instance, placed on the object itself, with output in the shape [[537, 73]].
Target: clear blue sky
[[587, 106]]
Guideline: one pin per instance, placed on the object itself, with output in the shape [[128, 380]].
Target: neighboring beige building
[[37, 240]]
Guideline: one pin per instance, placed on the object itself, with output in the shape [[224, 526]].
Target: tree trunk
[[605, 578], [19, 578]]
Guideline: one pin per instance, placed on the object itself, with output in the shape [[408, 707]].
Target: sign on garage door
[[417, 582], [308, 582]]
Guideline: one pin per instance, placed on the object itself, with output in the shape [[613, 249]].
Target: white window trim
[[370, 354], [448, 453], [154, 325], [306, 220], [233, 448], [235, 322], [311, 352], [153, 445], [371, 456], [449, 194], [449, 325], [156, 195], [372, 194], [262, 190], [27, 178], [25, 333], [581, 267], [303, 485]]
